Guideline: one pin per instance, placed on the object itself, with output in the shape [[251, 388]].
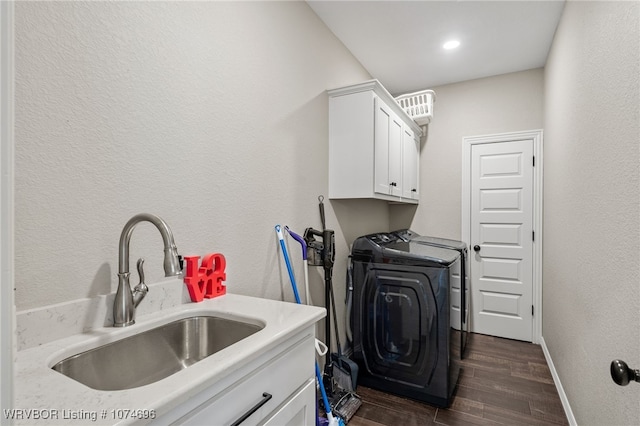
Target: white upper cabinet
[[373, 145]]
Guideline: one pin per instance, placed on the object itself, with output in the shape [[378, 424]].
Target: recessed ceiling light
[[451, 44]]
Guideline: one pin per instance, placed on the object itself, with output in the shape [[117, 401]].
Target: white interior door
[[501, 239]]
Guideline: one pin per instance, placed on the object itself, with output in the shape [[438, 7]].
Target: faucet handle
[[141, 290], [140, 265]]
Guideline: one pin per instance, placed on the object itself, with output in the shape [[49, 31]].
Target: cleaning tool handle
[[321, 348], [299, 239], [325, 400], [286, 260], [321, 205], [303, 244]]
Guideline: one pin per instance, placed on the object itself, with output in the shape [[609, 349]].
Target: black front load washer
[[400, 318]]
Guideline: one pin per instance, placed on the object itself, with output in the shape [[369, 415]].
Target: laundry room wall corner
[[499, 104]]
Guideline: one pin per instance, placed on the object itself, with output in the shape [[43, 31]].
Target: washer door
[[400, 324]]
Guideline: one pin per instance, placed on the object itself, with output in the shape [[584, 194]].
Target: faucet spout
[[124, 304]]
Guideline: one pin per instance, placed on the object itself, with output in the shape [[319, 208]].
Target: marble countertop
[[50, 394]]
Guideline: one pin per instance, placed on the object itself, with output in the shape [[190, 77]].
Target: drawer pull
[[265, 398]]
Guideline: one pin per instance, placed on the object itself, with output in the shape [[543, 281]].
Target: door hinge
[[534, 161], [533, 235], [531, 310]]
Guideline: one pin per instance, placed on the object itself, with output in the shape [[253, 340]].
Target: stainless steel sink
[[154, 354]]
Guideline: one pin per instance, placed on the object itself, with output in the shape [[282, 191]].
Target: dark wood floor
[[502, 381]]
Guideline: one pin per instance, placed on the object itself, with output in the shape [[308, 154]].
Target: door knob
[[622, 374], [476, 248]]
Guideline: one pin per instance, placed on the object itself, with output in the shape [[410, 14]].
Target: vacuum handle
[[321, 206], [329, 252]]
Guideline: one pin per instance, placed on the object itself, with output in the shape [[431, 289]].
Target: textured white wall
[[212, 115], [504, 103], [592, 207]]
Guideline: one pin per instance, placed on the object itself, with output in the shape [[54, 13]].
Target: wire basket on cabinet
[[418, 105]]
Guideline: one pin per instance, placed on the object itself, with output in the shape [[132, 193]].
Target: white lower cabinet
[[276, 389]]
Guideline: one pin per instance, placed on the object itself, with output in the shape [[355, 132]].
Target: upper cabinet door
[[388, 150], [410, 162], [395, 157], [382, 122]]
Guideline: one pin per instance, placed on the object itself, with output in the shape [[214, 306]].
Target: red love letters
[[205, 280]]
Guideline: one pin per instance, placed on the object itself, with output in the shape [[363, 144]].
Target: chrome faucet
[[126, 301]]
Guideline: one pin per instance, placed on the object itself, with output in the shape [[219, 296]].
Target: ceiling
[[400, 42]]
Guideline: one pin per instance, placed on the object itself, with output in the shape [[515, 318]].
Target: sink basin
[[154, 354]]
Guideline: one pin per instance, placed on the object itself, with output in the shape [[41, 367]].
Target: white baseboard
[[556, 380]]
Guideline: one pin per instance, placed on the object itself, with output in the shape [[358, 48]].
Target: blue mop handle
[[325, 400], [286, 260]]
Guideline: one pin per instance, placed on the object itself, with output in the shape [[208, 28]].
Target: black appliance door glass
[[400, 335]]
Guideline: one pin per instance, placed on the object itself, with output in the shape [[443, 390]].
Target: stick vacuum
[[321, 253], [339, 378]]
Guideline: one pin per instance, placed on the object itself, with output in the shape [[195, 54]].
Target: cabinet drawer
[[280, 377], [299, 410]]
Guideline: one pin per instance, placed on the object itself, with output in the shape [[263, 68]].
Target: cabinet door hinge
[[534, 161], [531, 310]]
